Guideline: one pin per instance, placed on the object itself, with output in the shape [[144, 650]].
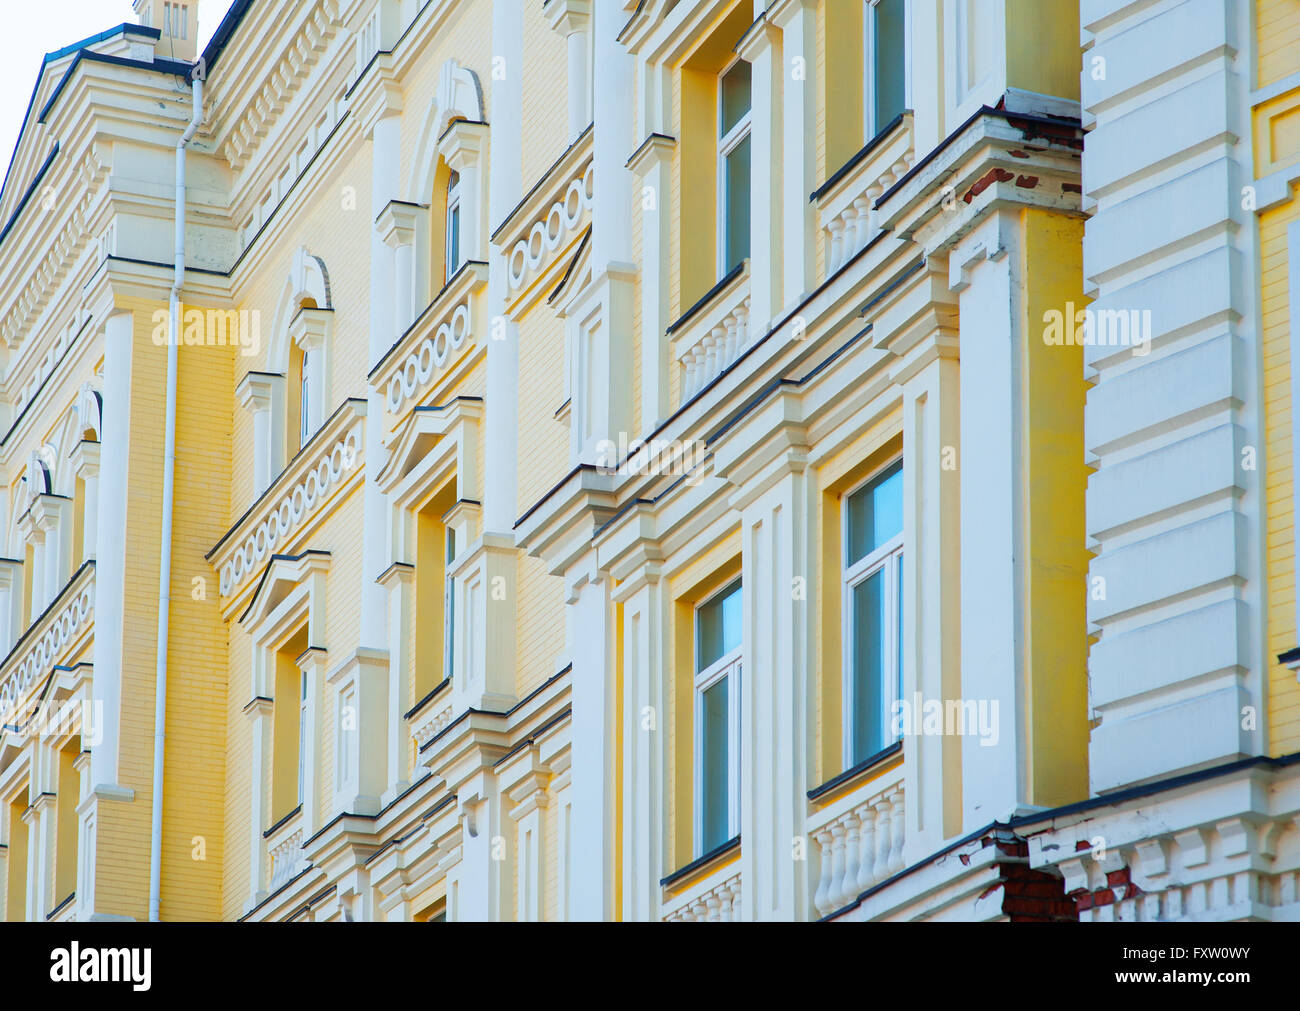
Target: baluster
[[884, 838], [848, 890], [836, 228], [714, 905], [897, 821], [863, 231], [837, 865], [742, 326], [867, 848], [732, 345], [714, 345], [822, 898]]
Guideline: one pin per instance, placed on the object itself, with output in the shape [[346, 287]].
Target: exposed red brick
[[993, 175], [1027, 182]]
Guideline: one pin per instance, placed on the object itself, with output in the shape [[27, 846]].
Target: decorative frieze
[[294, 499], [48, 642]]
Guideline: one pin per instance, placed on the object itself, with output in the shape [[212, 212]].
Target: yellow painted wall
[[1054, 485]]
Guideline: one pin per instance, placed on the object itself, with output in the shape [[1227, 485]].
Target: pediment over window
[[434, 438], [283, 575]]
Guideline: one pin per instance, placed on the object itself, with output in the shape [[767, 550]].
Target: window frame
[[303, 698], [448, 603], [886, 558], [730, 665], [727, 145], [450, 248], [870, 127], [305, 427]]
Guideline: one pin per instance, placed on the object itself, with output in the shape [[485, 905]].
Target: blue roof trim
[[175, 67], [225, 31], [124, 28], [31, 190]]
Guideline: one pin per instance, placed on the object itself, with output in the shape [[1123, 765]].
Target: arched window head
[[452, 241]]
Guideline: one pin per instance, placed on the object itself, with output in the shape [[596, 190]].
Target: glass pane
[[875, 514], [871, 699], [735, 96], [888, 62], [453, 241], [715, 800], [718, 627], [737, 183], [898, 690]]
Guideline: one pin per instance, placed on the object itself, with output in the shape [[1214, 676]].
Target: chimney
[[178, 20]]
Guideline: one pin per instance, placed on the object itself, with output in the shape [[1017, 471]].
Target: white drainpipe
[[169, 481]]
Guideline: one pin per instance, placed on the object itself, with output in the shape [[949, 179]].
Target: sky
[[44, 26]]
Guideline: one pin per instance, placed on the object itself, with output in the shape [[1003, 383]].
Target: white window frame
[[451, 249], [887, 556], [869, 125], [726, 147], [729, 666], [302, 736], [449, 605], [306, 428]]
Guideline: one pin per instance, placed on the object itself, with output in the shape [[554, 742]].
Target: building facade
[[649, 460]]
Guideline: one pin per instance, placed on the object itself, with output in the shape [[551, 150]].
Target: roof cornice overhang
[[996, 159]]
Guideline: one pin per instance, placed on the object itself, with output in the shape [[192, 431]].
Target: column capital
[[398, 221], [781, 12], [655, 151], [309, 328], [85, 459], [461, 144], [568, 17], [257, 390], [757, 42]]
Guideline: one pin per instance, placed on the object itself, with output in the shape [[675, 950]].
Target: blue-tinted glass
[[736, 90], [738, 208], [716, 800], [876, 514], [719, 627], [889, 60], [872, 729]]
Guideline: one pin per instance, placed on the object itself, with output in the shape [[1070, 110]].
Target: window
[[734, 100], [302, 739], [452, 251], [886, 48], [873, 612], [304, 400], [718, 624], [449, 610]]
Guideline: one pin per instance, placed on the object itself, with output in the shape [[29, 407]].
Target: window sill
[[858, 774], [701, 865]]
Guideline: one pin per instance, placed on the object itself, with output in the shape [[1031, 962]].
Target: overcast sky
[[33, 29]]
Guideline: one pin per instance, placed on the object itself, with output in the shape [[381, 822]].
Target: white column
[[931, 597], [984, 271], [399, 582], [590, 636], [797, 20], [312, 665], [777, 543], [85, 463], [505, 189], [762, 48], [261, 394], [110, 563], [11, 603], [462, 149], [653, 164], [645, 714], [572, 18], [385, 166], [259, 713]]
